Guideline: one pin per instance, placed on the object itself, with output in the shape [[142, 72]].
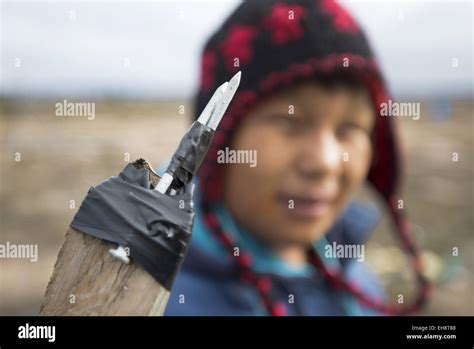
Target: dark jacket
[[208, 283]]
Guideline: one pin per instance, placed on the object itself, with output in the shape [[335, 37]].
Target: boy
[[308, 107]]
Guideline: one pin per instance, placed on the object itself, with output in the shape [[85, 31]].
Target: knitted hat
[[277, 43]]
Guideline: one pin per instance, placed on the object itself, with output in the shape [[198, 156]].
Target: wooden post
[[87, 280]]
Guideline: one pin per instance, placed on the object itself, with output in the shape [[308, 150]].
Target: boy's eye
[[349, 128], [289, 123]]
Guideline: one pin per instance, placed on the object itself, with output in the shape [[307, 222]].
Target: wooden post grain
[[87, 280]]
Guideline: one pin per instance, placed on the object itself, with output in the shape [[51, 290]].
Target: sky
[[150, 49]]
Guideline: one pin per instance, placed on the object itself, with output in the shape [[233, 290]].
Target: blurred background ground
[[61, 157]]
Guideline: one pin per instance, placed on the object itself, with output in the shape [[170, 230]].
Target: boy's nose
[[320, 155]]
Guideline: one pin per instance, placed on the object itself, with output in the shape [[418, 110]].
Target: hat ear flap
[[385, 169]]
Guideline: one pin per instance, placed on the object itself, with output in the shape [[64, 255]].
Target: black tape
[[190, 153], [154, 226]]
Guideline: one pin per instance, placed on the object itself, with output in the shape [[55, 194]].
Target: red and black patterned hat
[[277, 43]]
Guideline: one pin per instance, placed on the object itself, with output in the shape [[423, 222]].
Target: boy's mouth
[[307, 205]]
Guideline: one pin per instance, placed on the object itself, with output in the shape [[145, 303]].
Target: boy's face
[[308, 166]]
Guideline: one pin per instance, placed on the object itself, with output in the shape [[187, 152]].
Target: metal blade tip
[[223, 103], [237, 77]]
